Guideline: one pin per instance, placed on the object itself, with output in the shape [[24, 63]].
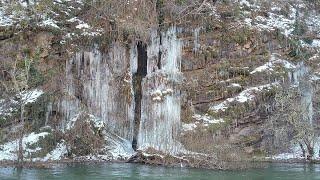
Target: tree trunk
[[21, 133], [303, 150], [310, 151]]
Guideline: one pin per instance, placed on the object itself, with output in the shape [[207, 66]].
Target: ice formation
[[160, 115], [97, 84], [102, 85]]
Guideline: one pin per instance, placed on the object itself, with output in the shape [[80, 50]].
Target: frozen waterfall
[[134, 90]]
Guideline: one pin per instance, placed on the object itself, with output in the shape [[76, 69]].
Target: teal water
[[135, 171]]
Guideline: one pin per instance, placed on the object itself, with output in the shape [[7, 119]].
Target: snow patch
[[11, 105], [189, 127], [201, 120], [97, 122], [244, 3], [83, 26], [234, 85], [206, 119], [316, 43], [30, 96], [5, 19], [49, 22], [273, 21], [72, 121]]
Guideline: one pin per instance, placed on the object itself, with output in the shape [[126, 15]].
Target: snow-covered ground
[[281, 15], [118, 148], [8, 151]]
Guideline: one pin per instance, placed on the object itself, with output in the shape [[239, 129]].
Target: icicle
[[48, 113], [133, 58], [171, 49], [153, 52], [196, 40]]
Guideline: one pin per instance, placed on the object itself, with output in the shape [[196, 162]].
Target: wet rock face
[[234, 75]]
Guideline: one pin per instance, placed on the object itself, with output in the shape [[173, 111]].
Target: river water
[[136, 171]]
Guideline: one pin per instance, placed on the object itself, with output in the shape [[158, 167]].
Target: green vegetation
[[46, 143]]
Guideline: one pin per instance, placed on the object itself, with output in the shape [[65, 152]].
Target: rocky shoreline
[[160, 160]]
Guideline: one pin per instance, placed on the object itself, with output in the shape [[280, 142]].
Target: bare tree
[[290, 121], [14, 85], [20, 77]]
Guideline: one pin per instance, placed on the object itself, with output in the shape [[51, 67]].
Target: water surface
[[136, 171]]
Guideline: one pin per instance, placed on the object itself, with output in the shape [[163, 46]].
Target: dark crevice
[[82, 62], [137, 87], [142, 59], [160, 12], [160, 54]]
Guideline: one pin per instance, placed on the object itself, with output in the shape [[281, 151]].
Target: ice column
[[160, 116]]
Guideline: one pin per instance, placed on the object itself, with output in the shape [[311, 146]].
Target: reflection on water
[[135, 171]]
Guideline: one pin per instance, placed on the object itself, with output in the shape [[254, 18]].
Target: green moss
[[3, 120], [35, 113], [241, 36], [215, 127], [180, 2], [1, 136], [249, 140], [259, 153], [36, 77]]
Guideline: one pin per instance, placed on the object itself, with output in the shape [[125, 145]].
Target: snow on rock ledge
[[244, 96], [201, 121], [269, 66]]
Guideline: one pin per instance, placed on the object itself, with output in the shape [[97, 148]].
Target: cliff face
[[103, 81]]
